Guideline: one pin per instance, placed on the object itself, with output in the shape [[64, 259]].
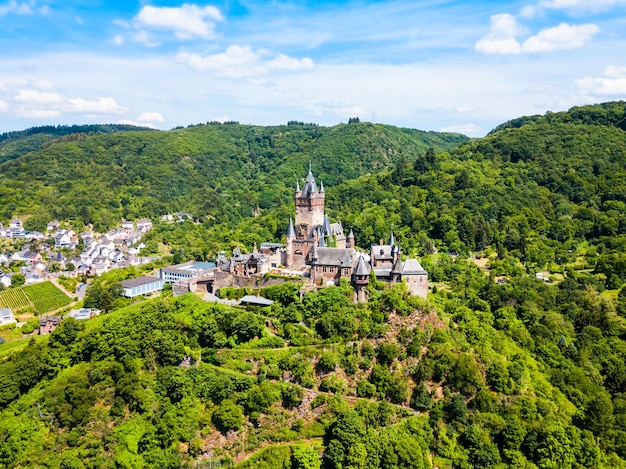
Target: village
[[316, 253]]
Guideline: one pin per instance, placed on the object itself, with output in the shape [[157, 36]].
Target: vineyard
[[38, 298]]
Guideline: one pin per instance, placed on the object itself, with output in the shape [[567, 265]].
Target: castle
[[319, 247], [317, 251]]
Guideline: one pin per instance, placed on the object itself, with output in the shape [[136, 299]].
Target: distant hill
[[102, 177], [17, 143]]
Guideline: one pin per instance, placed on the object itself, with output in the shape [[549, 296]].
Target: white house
[[142, 286], [6, 316]]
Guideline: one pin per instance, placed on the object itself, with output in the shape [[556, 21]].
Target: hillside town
[[316, 253]]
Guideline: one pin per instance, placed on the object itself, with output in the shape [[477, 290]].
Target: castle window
[[331, 270], [324, 269]]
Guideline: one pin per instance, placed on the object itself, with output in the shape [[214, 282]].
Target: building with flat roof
[[142, 286], [186, 271]]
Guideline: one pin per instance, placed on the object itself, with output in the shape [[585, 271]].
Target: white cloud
[[4, 107], [143, 37], [561, 37], [467, 129], [99, 106], [16, 8], [117, 40], [186, 22], [31, 113], [502, 37], [136, 123], [340, 108], [150, 117], [37, 97], [41, 85], [613, 83], [242, 61], [592, 5]]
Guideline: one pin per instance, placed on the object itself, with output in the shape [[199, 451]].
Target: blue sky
[[433, 65]]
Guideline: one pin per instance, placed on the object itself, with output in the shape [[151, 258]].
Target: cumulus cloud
[[118, 40], [150, 117], [16, 8], [98, 106], [561, 37], [612, 83], [42, 104], [37, 97], [502, 37], [41, 85], [4, 106], [186, 22], [242, 61]]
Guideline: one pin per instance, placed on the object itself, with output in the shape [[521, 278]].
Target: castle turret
[[350, 240]]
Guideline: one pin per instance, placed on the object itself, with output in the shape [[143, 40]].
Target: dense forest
[[222, 171], [517, 358]]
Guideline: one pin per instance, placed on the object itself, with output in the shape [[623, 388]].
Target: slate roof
[[413, 267], [362, 267], [337, 257]]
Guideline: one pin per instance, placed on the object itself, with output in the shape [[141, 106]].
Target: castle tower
[[309, 206]]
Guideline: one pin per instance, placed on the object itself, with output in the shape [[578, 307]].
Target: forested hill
[[225, 171], [18, 143]]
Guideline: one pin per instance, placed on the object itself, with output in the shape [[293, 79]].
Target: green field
[[40, 298]]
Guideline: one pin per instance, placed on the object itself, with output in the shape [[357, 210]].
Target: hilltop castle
[[319, 252], [321, 248]]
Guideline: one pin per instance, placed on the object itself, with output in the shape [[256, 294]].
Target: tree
[[17, 280], [228, 416], [305, 457]]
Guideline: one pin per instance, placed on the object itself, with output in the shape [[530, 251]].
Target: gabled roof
[[338, 257]]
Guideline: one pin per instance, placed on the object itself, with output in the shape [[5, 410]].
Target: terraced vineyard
[[41, 297], [14, 298]]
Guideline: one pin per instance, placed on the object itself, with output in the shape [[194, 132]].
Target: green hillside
[[225, 171], [517, 359]]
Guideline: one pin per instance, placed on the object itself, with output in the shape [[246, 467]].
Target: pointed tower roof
[[315, 255], [297, 186], [291, 232], [362, 268], [310, 187], [321, 186], [391, 240], [351, 234], [326, 228], [322, 242], [397, 268]]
